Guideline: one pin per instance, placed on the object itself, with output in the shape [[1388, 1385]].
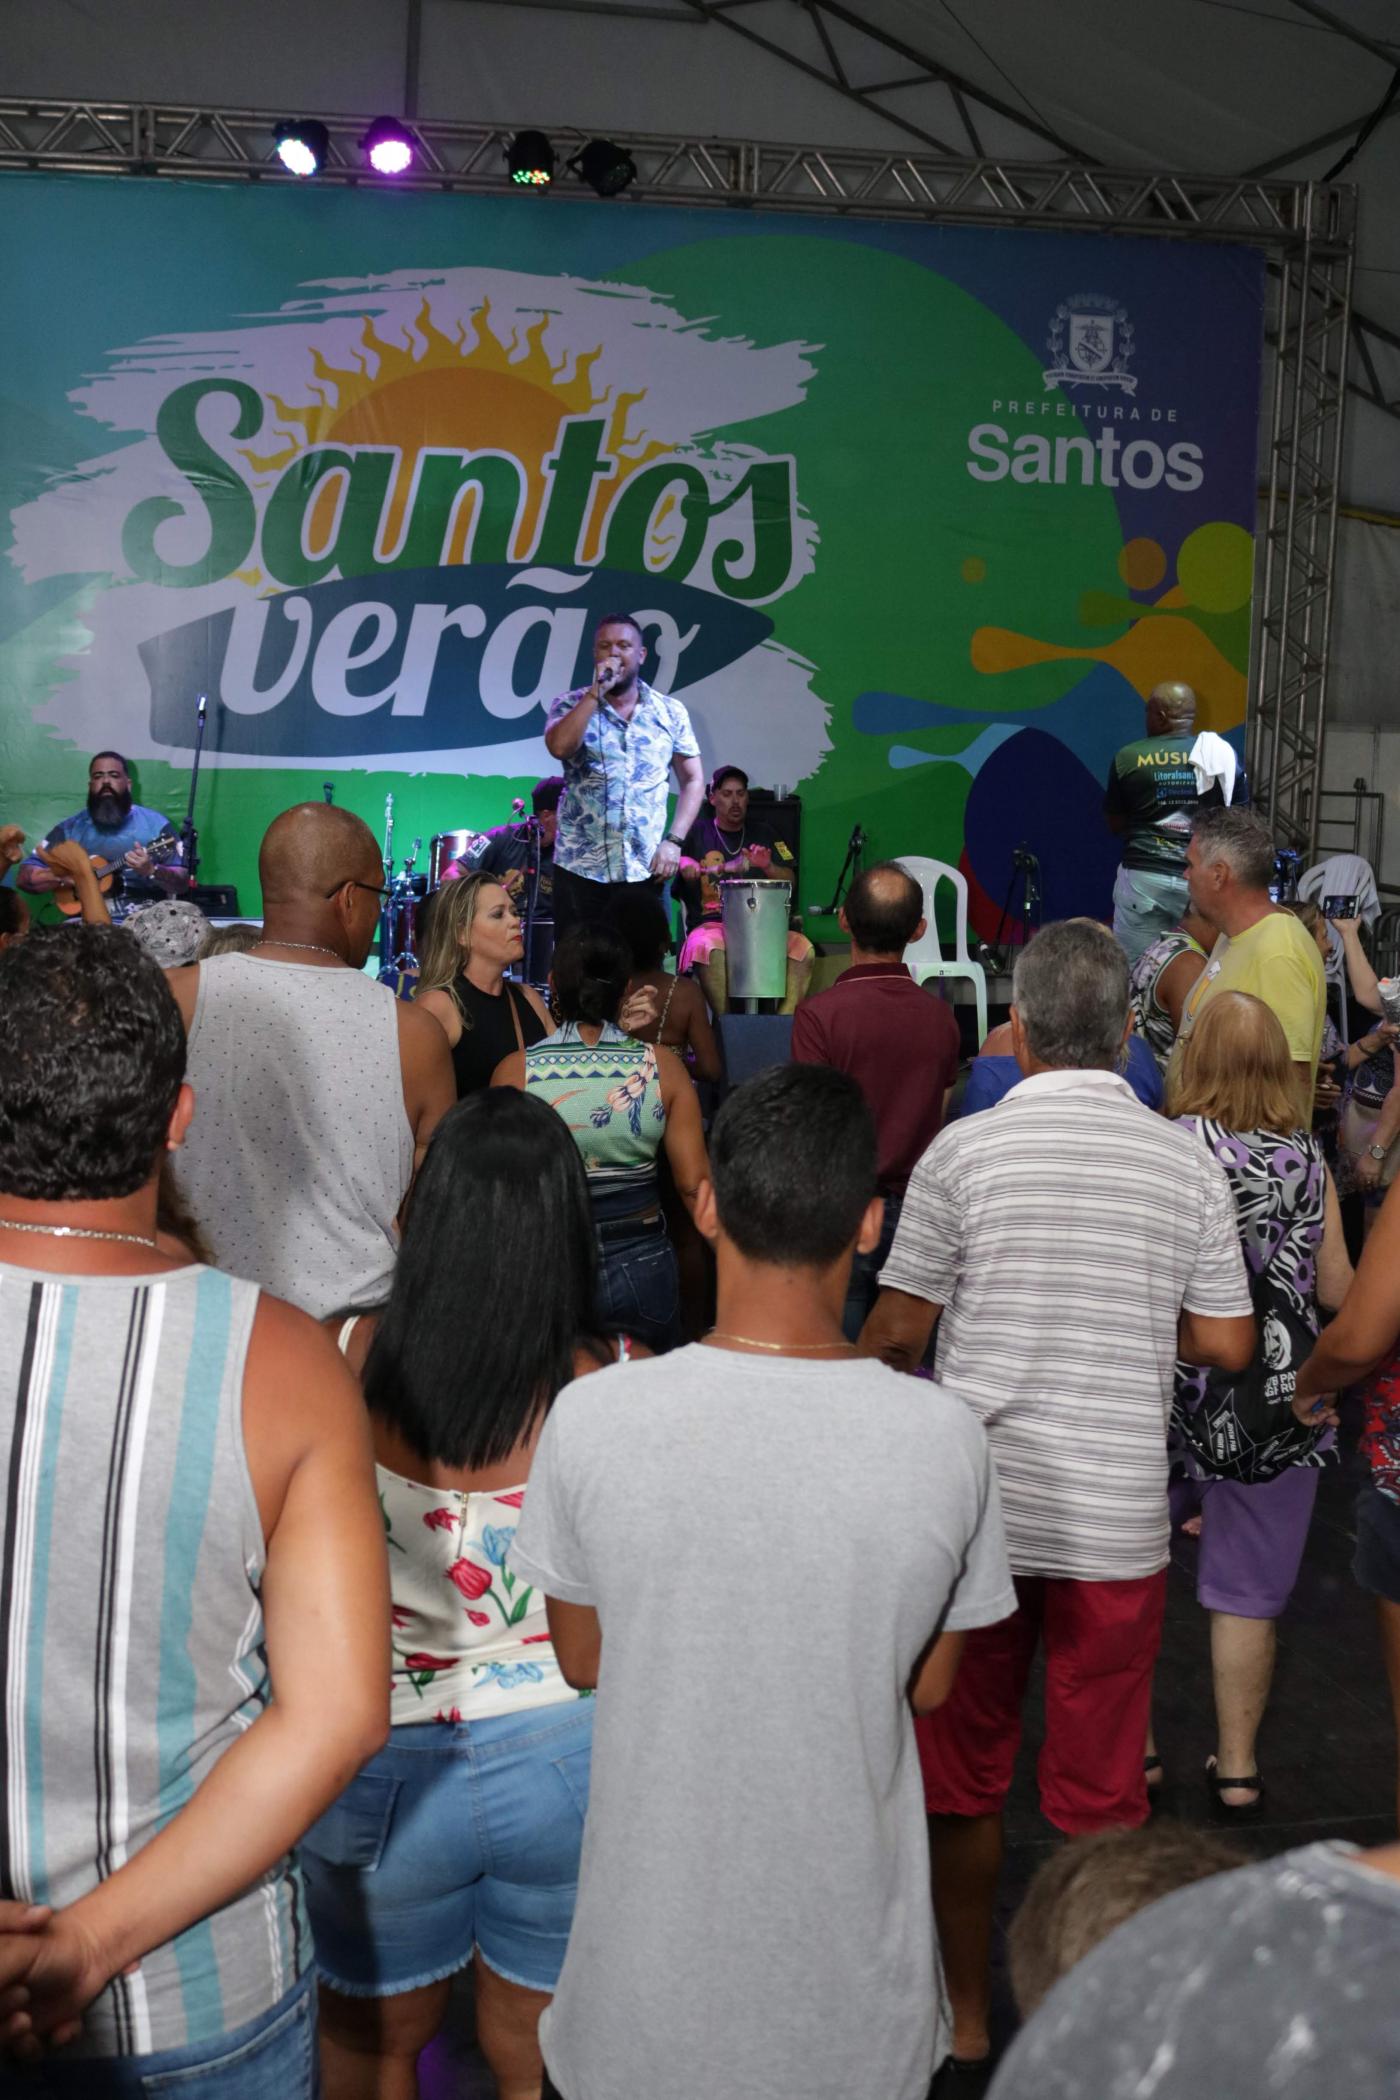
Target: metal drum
[[465, 847], [755, 935]]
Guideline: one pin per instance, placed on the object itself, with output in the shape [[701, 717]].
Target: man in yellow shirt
[[1264, 949]]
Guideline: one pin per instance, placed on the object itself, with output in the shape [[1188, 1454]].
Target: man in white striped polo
[[1074, 1244]]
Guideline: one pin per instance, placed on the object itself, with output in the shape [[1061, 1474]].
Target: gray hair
[[1070, 989], [1241, 839]]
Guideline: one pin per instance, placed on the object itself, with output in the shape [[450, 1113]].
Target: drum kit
[[450, 854]]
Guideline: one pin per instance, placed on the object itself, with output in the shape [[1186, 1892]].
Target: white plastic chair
[[924, 957]]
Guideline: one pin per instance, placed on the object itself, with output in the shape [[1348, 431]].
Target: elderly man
[[1264, 949], [617, 739], [1155, 785], [318, 1090], [1074, 1245], [899, 1043]]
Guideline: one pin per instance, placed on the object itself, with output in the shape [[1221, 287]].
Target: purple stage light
[[390, 146]]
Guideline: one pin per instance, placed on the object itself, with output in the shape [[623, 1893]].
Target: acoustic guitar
[[161, 850]]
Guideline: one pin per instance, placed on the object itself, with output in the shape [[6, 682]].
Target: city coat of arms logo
[[1090, 344]]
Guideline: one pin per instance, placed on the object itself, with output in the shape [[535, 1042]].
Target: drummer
[[727, 839], [510, 853]]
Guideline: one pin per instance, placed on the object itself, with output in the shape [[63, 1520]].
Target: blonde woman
[[473, 938], [1254, 1463]]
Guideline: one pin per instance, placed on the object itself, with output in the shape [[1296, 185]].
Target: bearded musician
[[112, 827]]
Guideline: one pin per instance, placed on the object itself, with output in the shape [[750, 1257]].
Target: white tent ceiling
[[1223, 86]]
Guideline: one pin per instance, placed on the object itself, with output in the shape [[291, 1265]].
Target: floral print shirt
[[470, 1639], [613, 812], [1380, 1439]]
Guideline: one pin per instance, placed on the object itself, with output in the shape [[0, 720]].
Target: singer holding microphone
[[617, 741]]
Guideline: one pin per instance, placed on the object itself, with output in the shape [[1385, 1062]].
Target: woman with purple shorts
[[1253, 1464]]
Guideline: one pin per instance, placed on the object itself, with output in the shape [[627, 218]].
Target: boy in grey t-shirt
[[760, 1549]]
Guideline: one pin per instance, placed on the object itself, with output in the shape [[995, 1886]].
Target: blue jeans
[[864, 1286], [271, 2058], [639, 1285]]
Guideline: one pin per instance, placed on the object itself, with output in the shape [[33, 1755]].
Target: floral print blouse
[[470, 1638]]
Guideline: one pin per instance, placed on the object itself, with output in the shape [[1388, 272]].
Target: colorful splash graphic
[[913, 518]]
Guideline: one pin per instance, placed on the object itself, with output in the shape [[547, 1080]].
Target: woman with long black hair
[[462, 1835]]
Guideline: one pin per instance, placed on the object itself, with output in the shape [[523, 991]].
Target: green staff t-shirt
[[1152, 784]]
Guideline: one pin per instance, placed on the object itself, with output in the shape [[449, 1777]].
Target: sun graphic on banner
[[472, 391]]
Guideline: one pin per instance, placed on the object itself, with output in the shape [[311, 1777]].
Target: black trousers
[[577, 901]]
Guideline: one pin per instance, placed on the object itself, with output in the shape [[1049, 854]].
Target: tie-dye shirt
[[613, 812]]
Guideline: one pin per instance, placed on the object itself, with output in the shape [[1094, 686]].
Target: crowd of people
[[453, 1607]]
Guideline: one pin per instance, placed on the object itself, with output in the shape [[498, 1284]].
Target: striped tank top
[[131, 1554]]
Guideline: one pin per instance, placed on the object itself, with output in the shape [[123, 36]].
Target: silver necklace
[[78, 1232], [733, 851], [309, 947]]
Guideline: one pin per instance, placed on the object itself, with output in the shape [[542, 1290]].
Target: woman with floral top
[[462, 1835], [626, 1104]]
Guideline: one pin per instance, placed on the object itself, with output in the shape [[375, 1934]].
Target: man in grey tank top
[[317, 1089], [194, 1609]]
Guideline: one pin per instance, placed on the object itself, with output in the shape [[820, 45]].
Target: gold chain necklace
[[717, 1334]]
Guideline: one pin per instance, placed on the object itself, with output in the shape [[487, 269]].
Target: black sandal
[[1234, 1811]]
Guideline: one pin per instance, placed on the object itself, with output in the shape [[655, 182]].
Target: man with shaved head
[[317, 1089], [1155, 787], [898, 1042]]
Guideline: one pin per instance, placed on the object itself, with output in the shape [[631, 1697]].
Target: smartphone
[[1341, 907]]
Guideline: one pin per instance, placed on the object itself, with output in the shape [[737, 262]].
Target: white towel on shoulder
[[1214, 760]]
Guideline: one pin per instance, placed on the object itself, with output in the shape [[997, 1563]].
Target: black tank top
[[488, 1032]]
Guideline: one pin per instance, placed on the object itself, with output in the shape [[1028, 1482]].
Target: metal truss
[[164, 140], [1293, 598], [1306, 230]]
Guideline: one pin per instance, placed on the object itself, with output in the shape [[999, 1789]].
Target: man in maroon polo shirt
[[897, 1041]]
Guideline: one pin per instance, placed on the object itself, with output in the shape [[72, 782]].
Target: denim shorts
[[274, 2055], [1376, 1563], [456, 1835]]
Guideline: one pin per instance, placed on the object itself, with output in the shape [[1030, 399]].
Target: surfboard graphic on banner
[[384, 526]]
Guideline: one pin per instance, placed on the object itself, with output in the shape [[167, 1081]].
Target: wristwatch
[[1378, 1151], [671, 840]]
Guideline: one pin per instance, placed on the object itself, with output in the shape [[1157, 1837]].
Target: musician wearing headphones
[[112, 827], [617, 740]]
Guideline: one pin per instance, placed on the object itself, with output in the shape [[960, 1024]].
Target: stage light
[[531, 160], [605, 167], [390, 146], [302, 147]]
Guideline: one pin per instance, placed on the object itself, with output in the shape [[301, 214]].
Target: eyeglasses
[[376, 889]]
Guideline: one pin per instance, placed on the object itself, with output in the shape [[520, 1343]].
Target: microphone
[[517, 808], [203, 703], [328, 791]]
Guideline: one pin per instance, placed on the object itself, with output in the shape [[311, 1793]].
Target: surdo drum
[[755, 914]]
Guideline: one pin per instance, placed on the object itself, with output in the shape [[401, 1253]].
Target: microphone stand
[[855, 847], [189, 837], [531, 835]]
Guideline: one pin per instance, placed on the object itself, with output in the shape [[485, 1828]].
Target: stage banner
[[913, 518]]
